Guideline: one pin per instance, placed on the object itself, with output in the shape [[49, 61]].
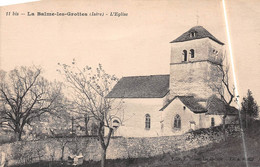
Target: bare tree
[[86, 121], [90, 88], [24, 96], [63, 141], [224, 90]]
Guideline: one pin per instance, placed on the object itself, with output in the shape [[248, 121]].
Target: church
[[186, 99]]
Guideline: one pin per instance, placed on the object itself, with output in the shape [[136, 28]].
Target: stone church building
[[185, 100]]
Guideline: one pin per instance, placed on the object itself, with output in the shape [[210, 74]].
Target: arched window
[[177, 122], [147, 121], [185, 58], [115, 123], [212, 122], [192, 55]]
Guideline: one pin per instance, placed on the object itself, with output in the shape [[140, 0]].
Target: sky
[[136, 44]]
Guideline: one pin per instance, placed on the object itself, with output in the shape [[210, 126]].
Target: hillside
[[224, 154]]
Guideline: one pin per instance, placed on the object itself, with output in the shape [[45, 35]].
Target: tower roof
[[196, 32]]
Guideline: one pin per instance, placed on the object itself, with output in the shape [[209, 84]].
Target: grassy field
[[225, 154]]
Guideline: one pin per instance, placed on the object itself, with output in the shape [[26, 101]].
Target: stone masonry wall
[[194, 79], [119, 148], [197, 76]]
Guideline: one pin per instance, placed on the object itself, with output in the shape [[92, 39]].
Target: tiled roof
[[216, 106], [190, 102], [200, 32], [152, 86]]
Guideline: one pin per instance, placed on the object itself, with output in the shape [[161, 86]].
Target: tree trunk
[[62, 153], [224, 128], [103, 158], [19, 130], [86, 126], [18, 135], [245, 120]]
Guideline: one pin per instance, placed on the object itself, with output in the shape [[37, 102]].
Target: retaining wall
[[119, 148]]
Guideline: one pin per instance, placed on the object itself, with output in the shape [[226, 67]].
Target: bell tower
[[195, 56]]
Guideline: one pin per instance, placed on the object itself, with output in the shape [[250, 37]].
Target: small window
[[192, 34], [192, 53], [212, 122], [177, 122], [215, 51], [185, 55], [192, 125], [147, 121]]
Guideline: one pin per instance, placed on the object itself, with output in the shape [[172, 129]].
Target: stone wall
[[119, 148], [204, 49], [197, 76], [197, 79]]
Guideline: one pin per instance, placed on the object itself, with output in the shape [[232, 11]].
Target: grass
[[225, 154]]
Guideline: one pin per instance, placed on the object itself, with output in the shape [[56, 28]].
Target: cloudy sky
[[137, 44]]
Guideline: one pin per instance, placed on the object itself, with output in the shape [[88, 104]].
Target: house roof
[[200, 31], [152, 86], [190, 102], [216, 106], [193, 104]]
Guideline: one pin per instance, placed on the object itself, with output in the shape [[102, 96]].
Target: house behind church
[[185, 100]]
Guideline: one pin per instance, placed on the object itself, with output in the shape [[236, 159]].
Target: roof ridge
[[185, 96], [145, 75], [196, 26]]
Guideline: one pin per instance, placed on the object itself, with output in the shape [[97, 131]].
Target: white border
[[13, 2]]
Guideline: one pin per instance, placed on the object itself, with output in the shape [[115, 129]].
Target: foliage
[[249, 105]]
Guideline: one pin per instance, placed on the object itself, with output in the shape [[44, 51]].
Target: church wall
[[230, 119], [207, 120], [215, 52], [200, 47], [187, 116], [197, 79], [203, 50], [197, 76], [133, 117]]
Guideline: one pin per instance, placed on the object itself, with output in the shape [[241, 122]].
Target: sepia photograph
[[160, 83]]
